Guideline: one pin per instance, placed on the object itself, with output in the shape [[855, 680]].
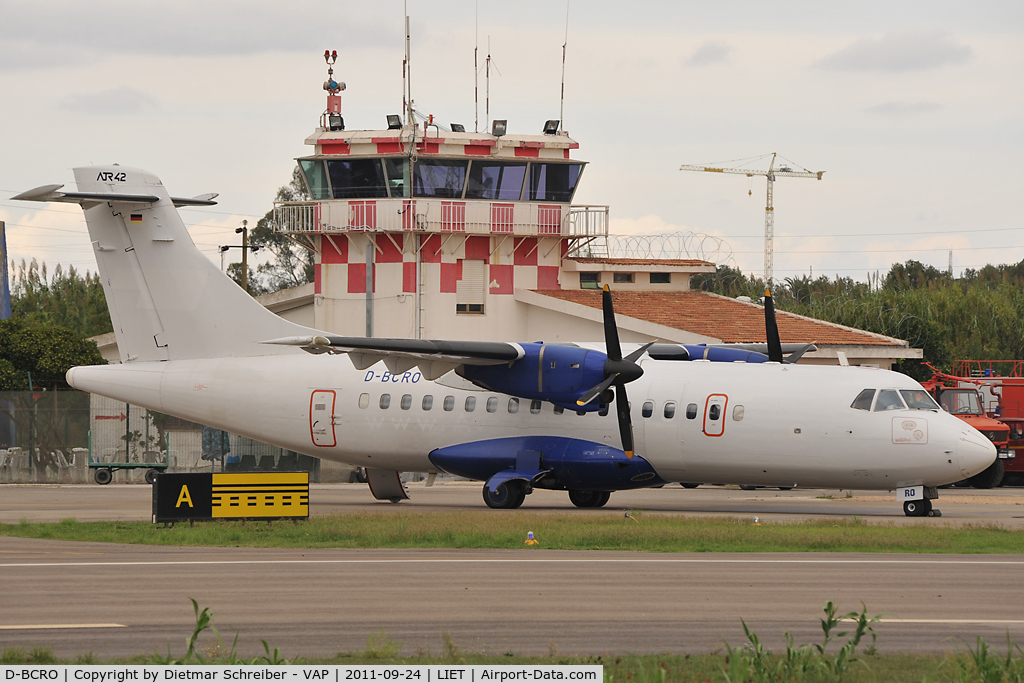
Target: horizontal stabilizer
[[51, 193]]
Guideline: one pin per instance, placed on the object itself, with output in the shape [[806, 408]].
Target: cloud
[[904, 108], [711, 52], [899, 52], [120, 100]]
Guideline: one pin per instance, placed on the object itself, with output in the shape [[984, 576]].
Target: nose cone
[[974, 452]]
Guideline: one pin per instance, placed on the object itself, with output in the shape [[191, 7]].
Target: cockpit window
[[863, 400], [888, 399], [918, 399]]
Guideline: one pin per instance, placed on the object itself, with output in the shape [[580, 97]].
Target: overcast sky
[[913, 109]]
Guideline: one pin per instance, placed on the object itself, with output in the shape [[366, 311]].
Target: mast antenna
[[561, 104], [489, 61], [476, 70], [407, 71]]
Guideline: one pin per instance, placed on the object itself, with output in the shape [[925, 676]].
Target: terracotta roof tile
[[644, 261], [720, 317]]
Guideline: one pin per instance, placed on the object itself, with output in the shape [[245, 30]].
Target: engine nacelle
[[566, 464], [548, 372]]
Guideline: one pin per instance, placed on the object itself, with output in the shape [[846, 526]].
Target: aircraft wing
[[434, 357]]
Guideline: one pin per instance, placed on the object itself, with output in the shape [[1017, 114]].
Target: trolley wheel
[[103, 475], [151, 476]]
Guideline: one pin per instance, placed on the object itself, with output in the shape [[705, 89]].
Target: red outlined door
[[714, 414], [321, 418]]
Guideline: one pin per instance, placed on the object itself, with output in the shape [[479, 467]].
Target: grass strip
[[604, 530]]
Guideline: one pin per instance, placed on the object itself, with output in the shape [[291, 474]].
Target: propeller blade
[[611, 333], [596, 391], [639, 352], [795, 356], [625, 424], [771, 329]]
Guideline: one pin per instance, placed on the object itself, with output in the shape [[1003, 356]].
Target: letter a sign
[[183, 497]]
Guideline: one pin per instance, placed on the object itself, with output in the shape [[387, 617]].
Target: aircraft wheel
[[990, 478], [688, 485], [589, 499], [505, 498], [748, 487], [917, 508], [151, 476], [103, 475]]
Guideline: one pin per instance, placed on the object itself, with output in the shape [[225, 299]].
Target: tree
[[66, 298], [47, 352], [291, 265]]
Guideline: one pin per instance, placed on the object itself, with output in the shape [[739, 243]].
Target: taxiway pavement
[[123, 600]]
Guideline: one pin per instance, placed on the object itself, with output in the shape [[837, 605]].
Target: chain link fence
[[53, 437]]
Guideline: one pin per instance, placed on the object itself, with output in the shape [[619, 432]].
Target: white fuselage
[[775, 424]]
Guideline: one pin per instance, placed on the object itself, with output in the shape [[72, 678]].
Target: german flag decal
[[136, 218]]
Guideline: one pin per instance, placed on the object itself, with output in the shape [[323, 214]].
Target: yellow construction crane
[[769, 210]]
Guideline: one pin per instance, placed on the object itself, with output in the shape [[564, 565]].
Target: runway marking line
[[40, 627], [532, 560]]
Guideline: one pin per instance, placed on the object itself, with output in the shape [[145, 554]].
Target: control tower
[[425, 232]]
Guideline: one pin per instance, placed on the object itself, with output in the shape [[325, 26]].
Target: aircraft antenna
[[788, 171], [561, 103]]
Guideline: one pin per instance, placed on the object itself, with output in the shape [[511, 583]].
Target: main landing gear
[[589, 499], [509, 496]]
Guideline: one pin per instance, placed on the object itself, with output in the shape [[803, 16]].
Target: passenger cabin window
[[501, 180], [691, 411], [553, 182], [737, 413], [670, 410], [385, 401], [406, 401], [449, 404], [590, 280], [439, 178], [492, 404], [315, 174], [918, 399], [888, 399], [661, 278], [513, 406], [648, 409], [622, 277], [535, 407], [357, 178], [428, 402], [863, 400], [364, 400], [470, 404]]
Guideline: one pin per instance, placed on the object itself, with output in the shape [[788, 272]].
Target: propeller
[[618, 372], [772, 329]]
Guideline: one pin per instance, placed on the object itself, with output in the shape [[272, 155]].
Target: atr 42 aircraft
[[518, 416]]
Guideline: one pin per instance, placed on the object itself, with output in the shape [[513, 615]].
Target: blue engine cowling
[[548, 372], [566, 464]]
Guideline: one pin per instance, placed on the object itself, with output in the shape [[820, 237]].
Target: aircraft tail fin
[[167, 300]]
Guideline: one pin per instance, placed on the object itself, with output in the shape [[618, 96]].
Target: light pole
[[244, 230]]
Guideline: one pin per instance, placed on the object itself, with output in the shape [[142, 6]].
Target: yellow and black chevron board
[[231, 495]]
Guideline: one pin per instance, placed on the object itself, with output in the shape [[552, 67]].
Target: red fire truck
[[966, 398], [1002, 387]]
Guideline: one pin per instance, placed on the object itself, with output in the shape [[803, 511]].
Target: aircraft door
[[321, 418], [714, 414]]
